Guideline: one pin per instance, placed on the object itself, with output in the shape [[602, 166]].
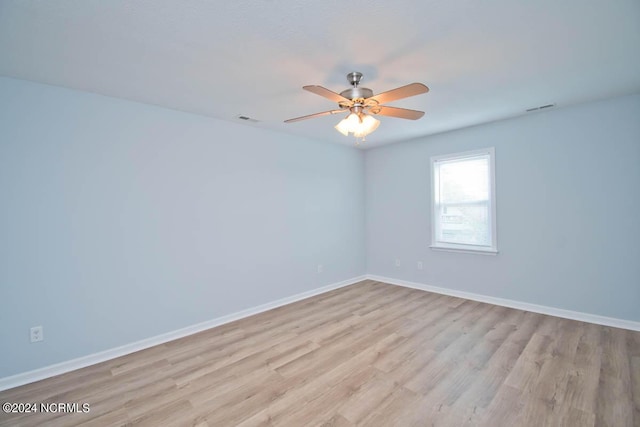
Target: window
[[464, 202]]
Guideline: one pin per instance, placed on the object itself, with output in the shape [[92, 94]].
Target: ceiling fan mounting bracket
[[354, 78]]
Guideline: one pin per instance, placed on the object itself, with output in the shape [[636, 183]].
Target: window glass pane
[[465, 180], [465, 224]]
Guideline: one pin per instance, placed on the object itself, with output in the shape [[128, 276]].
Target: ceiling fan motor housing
[[357, 93]]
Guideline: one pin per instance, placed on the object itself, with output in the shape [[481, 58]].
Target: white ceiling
[[483, 60]]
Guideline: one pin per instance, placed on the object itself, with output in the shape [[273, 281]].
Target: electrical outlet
[[420, 265], [397, 262], [320, 268], [37, 334]]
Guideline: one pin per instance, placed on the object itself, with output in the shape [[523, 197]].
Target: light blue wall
[[121, 221], [568, 196]]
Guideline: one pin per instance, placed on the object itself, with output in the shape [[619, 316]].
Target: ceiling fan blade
[[323, 91], [401, 113], [400, 92], [311, 116]]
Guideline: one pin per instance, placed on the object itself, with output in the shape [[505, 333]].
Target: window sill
[[465, 250]]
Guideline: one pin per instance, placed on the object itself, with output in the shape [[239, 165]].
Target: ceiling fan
[[362, 105]]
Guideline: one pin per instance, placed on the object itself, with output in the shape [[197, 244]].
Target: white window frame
[[492, 248]]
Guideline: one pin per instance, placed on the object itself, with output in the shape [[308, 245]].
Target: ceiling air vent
[[247, 119], [542, 107]]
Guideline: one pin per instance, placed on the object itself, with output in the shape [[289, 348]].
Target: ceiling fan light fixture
[[344, 127], [360, 125], [353, 120], [370, 123]]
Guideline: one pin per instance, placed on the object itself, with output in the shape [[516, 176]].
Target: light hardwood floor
[[369, 354]]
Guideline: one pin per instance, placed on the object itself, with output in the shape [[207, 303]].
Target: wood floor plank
[[527, 369], [635, 391], [505, 408], [467, 368], [336, 420], [614, 406], [584, 374], [401, 407], [369, 354], [472, 404]]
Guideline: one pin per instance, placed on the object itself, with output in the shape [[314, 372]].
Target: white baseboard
[[103, 356], [542, 309]]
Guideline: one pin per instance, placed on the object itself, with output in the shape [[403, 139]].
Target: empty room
[[305, 213]]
